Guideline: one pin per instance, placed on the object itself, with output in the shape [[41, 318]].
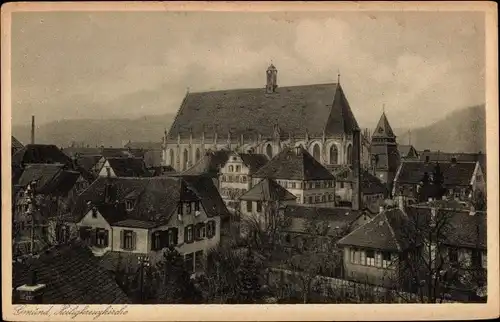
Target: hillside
[[107, 132], [461, 131]]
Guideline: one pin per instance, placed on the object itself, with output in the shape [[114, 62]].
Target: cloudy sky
[[101, 65]]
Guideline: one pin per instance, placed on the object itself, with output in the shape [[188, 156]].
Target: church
[[264, 121]]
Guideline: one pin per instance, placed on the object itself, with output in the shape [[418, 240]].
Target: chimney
[[31, 292], [32, 129], [356, 169]]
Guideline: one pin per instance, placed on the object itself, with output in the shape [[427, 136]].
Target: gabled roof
[[337, 219], [128, 167], [40, 153], [383, 129], [161, 170], [144, 145], [294, 164], [370, 184], [253, 161], [405, 150], [87, 162], [297, 109], [156, 198], [386, 231], [101, 151], [72, 275], [16, 145], [461, 157], [51, 178], [459, 227], [455, 174], [268, 190], [209, 164]]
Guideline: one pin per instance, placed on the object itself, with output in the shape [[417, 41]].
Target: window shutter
[[134, 239], [93, 236], [176, 234], [106, 238], [163, 239], [186, 234], [122, 239], [197, 230]]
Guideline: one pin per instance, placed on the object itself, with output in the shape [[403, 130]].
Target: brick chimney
[[31, 292], [356, 169], [32, 129]]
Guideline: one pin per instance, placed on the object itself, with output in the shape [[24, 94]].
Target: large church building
[[264, 120]]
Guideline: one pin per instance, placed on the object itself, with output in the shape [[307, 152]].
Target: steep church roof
[[383, 129], [249, 112], [294, 164]]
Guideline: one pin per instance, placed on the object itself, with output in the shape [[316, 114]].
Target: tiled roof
[[383, 129], [369, 183], [455, 174], [253, 161], [153, 158], [405, 150], [156, 198], [40, 153], [294, 164], [209, 164], [128, 167], [101, 151], [446, 156], [161, 170], [460, 228], [386, 231], [134, 223], [72, 276], [268, 190], [144, 145], [87, 162], [16, 145], [296, 109], [51, 178], [336, 218]]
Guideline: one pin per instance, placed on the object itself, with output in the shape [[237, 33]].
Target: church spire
[[383, 129]]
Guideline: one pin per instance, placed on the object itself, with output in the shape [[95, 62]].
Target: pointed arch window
[[197, 155], [185, 159], [334, 153], [349, 154], [317, 152], [269, 151], [171, 157]]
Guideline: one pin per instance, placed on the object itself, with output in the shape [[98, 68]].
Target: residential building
[[152, 151], [460, 179], [64, 274], [123, 167], [378, 251], [373, 191], [236, 176], [301, 174], [439, 156], [384, 152], [142, 216], [263, 201], [267, 119]]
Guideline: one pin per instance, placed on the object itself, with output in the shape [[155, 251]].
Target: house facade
[[302, 175], [142, 216], [235, 177]]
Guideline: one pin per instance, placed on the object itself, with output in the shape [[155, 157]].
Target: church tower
[[384, 152], [272, 79]]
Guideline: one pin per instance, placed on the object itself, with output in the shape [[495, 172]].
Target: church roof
[[383, 129], [16, 145], [296, 109], [294, 164], [268, 190]]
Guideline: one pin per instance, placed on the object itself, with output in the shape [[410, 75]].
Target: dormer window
[[129, 204]]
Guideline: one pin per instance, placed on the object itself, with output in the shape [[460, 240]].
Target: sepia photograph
[[276, 156]]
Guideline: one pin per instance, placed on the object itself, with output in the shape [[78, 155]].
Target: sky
[[419, 65]]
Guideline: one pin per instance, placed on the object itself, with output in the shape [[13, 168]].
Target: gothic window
[[269, 151], [333, 154], [185, 159], [197, 154], [349, 154], [171, 157], [317, 152]]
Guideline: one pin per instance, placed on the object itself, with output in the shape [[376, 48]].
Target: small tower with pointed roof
[[272, 79], [384, 151]]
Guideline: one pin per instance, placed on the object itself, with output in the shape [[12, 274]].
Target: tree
[[176, 285]]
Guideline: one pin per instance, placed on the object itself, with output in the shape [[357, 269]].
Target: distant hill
[[461, 131], [107, 132]]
